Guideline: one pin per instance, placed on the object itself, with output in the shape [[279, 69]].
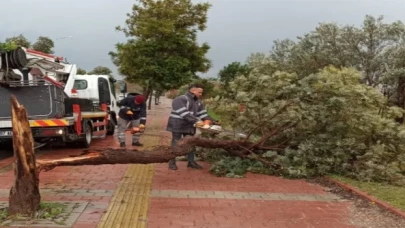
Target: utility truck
[[61, 105]]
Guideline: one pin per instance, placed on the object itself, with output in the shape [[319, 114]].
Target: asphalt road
[[5, 152]]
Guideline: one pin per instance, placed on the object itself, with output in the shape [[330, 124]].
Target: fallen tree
[[158, 154], [342, 125]]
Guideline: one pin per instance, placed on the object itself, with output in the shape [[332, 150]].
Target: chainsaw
[[210, 128], [134, 130]]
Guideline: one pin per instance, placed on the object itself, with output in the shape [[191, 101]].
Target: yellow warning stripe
[[49, 123], [93, 114], [130, 203]]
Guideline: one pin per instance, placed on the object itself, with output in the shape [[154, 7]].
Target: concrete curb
[[368, 197]]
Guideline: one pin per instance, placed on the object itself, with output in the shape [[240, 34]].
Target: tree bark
[[150, 100], [147, 93], [159, 154], [401, 97], [24, 195]]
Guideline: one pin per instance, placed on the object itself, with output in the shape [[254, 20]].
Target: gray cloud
[[236, 28]]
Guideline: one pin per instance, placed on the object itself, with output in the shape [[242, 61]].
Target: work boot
[[172, 164], [137, 144], [194, 165], [122, 144]]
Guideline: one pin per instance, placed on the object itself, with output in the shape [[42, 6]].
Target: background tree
[[19, 40], [210, 87], [365, 48], [162, 50], [8, 46], [44, 44], [229, 72], [81, 71], [101, 70]]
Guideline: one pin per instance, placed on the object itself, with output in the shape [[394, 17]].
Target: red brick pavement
[[79, 177], [222, 213], [189, 179]]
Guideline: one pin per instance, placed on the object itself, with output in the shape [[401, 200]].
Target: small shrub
[[172, 94]]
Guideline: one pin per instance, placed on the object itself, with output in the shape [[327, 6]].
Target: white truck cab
[[99, 89]]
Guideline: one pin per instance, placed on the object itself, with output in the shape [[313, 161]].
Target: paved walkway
[[153, 196]]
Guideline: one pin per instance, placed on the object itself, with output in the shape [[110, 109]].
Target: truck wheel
[[88, 136], [110, 127]]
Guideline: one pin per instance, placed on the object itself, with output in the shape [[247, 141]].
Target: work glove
[[142, 126], [199, 124], [129, 112]]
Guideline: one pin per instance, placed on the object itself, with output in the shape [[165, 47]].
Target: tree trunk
[[150, 100], [159, 154], [24, 195], [147, 92], [401, 97]]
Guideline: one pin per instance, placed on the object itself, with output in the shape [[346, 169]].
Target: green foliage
[[337, 123], [81, 71], [213, 114], [162, 50], [44, 44], [375, 49], [171, 94], [101, 70], [3, 214], [229, 166], [364, 48], [19, 40], [50, 210], [229, 72], [322, 119], [210, 87], [8, 46]]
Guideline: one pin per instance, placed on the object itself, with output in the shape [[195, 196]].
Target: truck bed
[[40, 101]]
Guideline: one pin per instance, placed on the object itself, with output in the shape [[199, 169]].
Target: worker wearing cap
[[188, 112], [132, 112]]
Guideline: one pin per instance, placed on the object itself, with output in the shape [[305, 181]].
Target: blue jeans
[[176, 137]]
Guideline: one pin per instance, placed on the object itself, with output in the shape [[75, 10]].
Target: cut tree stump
[[24, 195]]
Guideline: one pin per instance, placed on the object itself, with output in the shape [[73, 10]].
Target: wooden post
[[24, 195]]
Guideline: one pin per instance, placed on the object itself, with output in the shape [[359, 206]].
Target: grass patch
[[47, 211], [3, 214], [393, 195], [212, 114], [50, 210]]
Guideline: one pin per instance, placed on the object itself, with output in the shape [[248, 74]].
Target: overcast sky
[[236, 28]]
